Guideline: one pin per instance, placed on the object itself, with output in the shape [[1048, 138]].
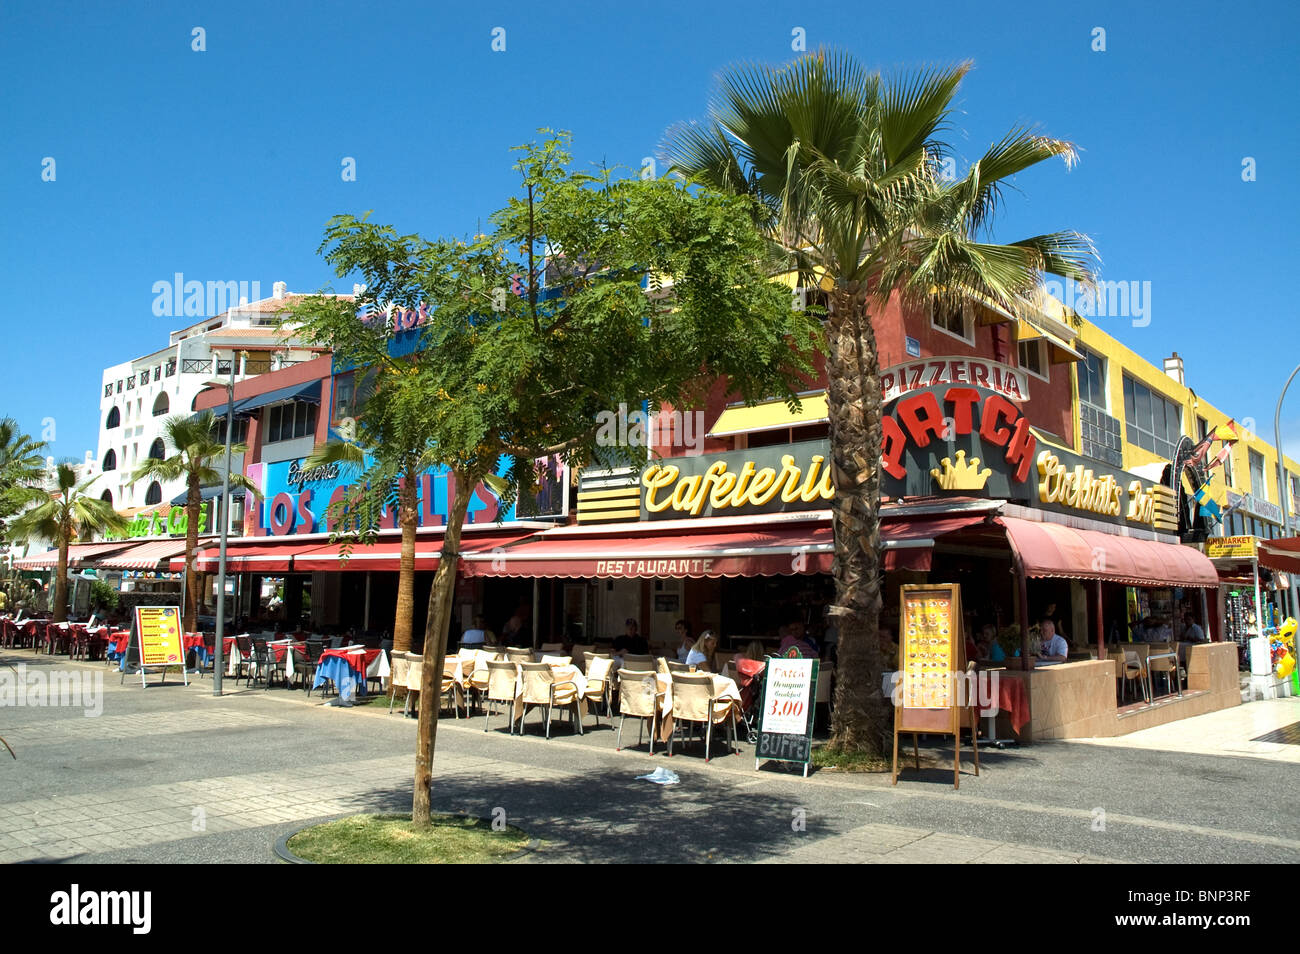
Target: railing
[[259, 365], [196, 366], [157, 373], [108, 390], [130, 383], [223, 367], [171, 367]]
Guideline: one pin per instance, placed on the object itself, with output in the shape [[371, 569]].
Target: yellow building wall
[[1121, 360]]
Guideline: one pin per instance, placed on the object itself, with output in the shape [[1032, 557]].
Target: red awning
[[909, 540], [149, 555], [1055, 550], [386, 554], [641, 552], [255, 555], [79, 554], [1280, 554]]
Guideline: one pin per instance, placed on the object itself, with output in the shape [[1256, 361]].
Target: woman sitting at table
[[701, 654]]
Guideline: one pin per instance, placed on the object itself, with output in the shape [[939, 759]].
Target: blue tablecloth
[[344, 677]]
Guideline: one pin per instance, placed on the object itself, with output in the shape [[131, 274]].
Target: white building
[[138, 396]]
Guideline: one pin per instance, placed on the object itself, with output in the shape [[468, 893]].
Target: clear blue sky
[[225, 164]]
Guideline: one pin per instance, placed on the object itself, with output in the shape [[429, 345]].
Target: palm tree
[[195, 446], [22, 468], [860, 197], [68, 514]]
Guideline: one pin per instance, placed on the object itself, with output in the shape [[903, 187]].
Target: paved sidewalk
[[1254, 730], [174, 775]]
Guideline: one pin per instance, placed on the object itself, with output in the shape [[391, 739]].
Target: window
[[1258, 485], [119, 387], [144, 377], [955, 321], [161, 405], [154, 494], [108, 390], [1295, 493], [157, 373], [238, 434], [284, 422], [130, 383], [1031, 357], [107, 497], [114, 419], [110, 460], [344, 396], [1092, 379], [157, 451], [171, 367], [1152, 422]]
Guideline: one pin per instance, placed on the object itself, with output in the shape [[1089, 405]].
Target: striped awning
[[150, 555], [79, 555]]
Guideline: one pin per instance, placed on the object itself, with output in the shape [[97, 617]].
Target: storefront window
[[287, 421]]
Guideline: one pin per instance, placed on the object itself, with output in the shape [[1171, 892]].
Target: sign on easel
[[931, 660], [789, 705], [158, 640]]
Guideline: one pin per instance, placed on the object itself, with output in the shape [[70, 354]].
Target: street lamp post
[[1282, 483], [217, 665]]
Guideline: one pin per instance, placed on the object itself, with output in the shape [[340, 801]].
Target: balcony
[[197, 366]]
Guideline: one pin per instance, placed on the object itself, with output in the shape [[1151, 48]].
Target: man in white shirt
[[1054, 648], [1193, 633]]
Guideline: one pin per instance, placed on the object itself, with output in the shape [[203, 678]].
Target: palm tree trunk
[[191, 545], [853, 392], [435, 647], [60, 607], [408, 515]]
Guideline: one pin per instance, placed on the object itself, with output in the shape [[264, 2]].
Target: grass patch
[[393, 840], [826, 757]]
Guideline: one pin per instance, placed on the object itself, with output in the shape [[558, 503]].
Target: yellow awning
[[770, 416], [1059, 351]]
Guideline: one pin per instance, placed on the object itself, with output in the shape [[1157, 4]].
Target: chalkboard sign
[[785, 727]]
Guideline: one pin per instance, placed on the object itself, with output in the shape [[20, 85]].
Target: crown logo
[[962, 475]]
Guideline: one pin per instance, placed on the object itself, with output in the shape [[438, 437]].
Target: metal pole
[[1282, 483], [217, 665]]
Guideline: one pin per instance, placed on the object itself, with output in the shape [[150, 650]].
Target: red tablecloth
[[118, 639], [1013, 700], [192, 641], [360, 661]]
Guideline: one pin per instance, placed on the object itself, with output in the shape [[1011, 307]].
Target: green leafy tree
[[858, 193], [627, 290], [66, 515], [197, 445]]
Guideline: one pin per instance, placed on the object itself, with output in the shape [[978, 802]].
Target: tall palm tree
[[22, 468], [197, 443], [68, 514], [860, 196]]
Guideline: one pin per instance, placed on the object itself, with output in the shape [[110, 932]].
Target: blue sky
[[225, 164]]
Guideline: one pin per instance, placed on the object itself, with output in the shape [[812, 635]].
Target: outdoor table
[[346, 668], [723, 688], [117, 643], [1011, 700], [195, 642], [569, 673]]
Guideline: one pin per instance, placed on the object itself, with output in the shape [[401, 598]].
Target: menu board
[[931, 659], [158, 636], [931, 634]]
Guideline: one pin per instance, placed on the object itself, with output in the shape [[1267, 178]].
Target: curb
[[282, 852]]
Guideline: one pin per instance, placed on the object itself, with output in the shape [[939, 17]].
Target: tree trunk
[[408, 516], [191, 622], [60, 607], [853, 397], [435, 646]]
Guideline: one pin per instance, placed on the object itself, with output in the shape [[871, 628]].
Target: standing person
[[684, 639]]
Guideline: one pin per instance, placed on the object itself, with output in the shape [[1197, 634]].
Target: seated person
[[701, 654], [753, 651], [684, 639], [1192, 633], [631, 641], [794, 642], [476, 636], [1054, 648]]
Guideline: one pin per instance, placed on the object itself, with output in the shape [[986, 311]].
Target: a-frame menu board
[[931, 666]]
